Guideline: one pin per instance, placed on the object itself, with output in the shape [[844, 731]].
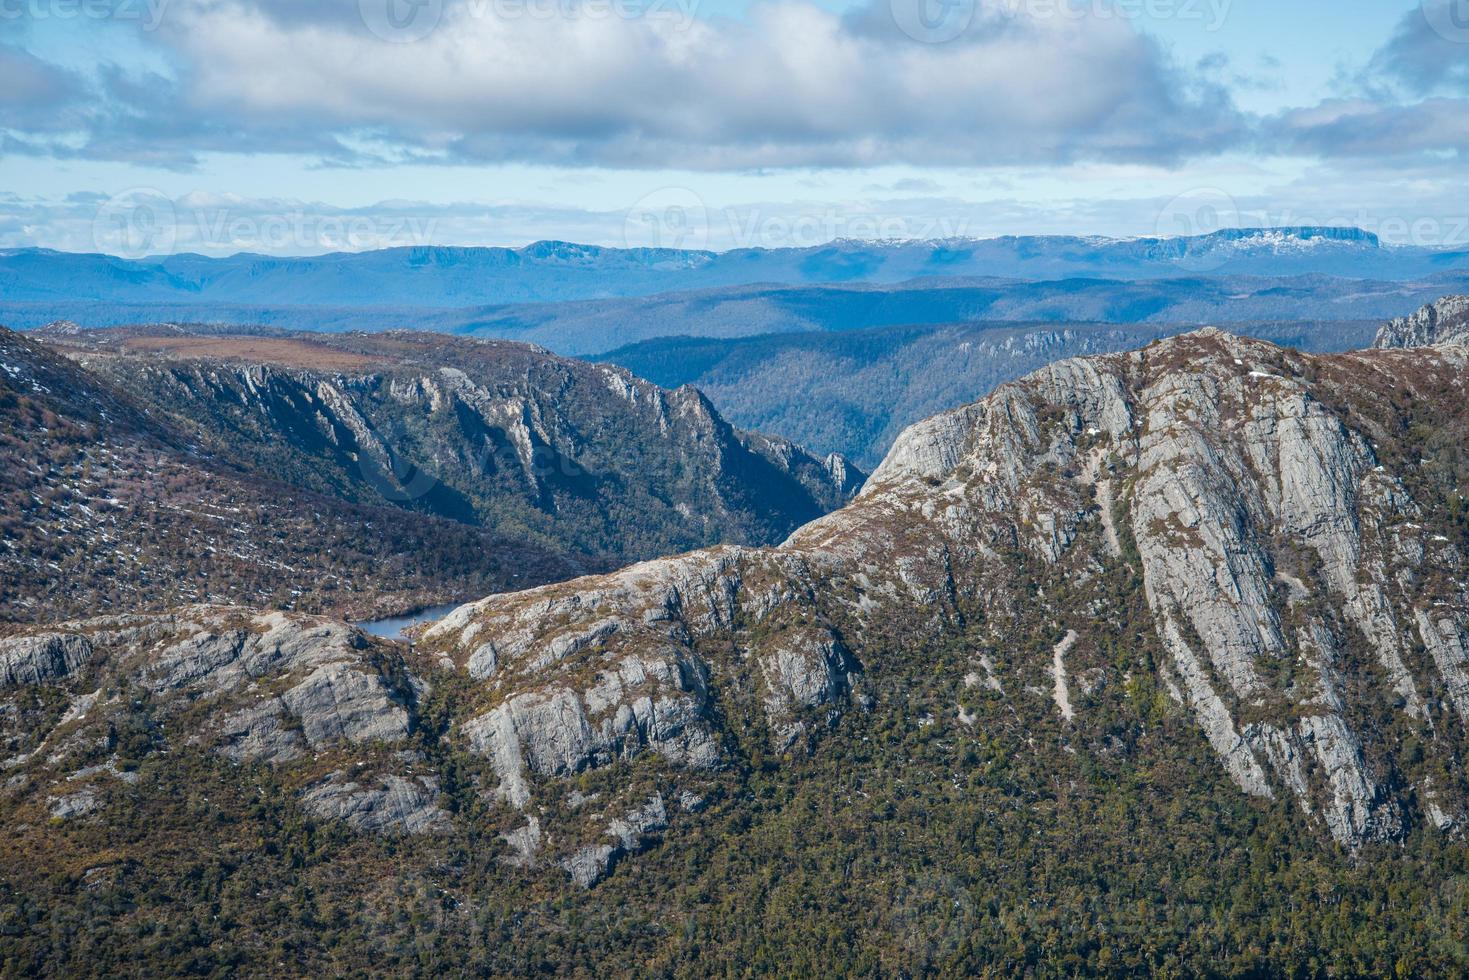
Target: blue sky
[[218, 126]]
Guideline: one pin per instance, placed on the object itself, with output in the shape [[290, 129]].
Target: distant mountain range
[[437, 276], [594, 326]]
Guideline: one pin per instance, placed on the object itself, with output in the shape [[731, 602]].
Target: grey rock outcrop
[[637, 704], [630, 834], [277, 684], [75, 804], [810, 668], [391, 804], [41, 658], [1438, 322]]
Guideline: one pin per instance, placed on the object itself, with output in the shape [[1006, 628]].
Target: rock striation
[[271, 688]]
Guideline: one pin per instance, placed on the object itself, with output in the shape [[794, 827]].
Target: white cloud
[[794, 85]]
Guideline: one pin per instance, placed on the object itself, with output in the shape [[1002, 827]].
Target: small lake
[[394, 628]]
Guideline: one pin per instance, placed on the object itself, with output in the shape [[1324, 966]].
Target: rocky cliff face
[[1439, 322], [1177, 639], [1299, 573], [586, 459], [329, 706], [106, 505]]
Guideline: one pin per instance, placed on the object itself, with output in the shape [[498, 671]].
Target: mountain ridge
[[1436, 323], [513, 451], [446, 276]]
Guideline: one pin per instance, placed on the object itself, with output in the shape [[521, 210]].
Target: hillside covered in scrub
[[1146, 660]]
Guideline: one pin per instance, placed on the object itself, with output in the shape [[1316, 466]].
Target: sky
[[139, 127]]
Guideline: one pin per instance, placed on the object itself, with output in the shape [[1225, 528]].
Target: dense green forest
[[904, 844], [854, 390]]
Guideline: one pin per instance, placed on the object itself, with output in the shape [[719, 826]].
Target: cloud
[[1410, 102], [1366, 128], [226, 224], [589, 83], [1428, 52], [36, 96]]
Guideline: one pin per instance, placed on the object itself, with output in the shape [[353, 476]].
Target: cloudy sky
[[291, 126]]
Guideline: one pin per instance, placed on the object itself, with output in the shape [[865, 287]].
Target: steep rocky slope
[[586, 460], [336, 712], [105, 507], [1443, 320], [1301, 572]]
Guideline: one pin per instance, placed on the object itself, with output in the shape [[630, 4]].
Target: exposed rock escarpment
[[394, 804], [267, 688], [602, 464], [109, 503], [1438, 322], [42, 658], [629, 834], [1296, 567]]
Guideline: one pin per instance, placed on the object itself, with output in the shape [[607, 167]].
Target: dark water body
[[394, 627]]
